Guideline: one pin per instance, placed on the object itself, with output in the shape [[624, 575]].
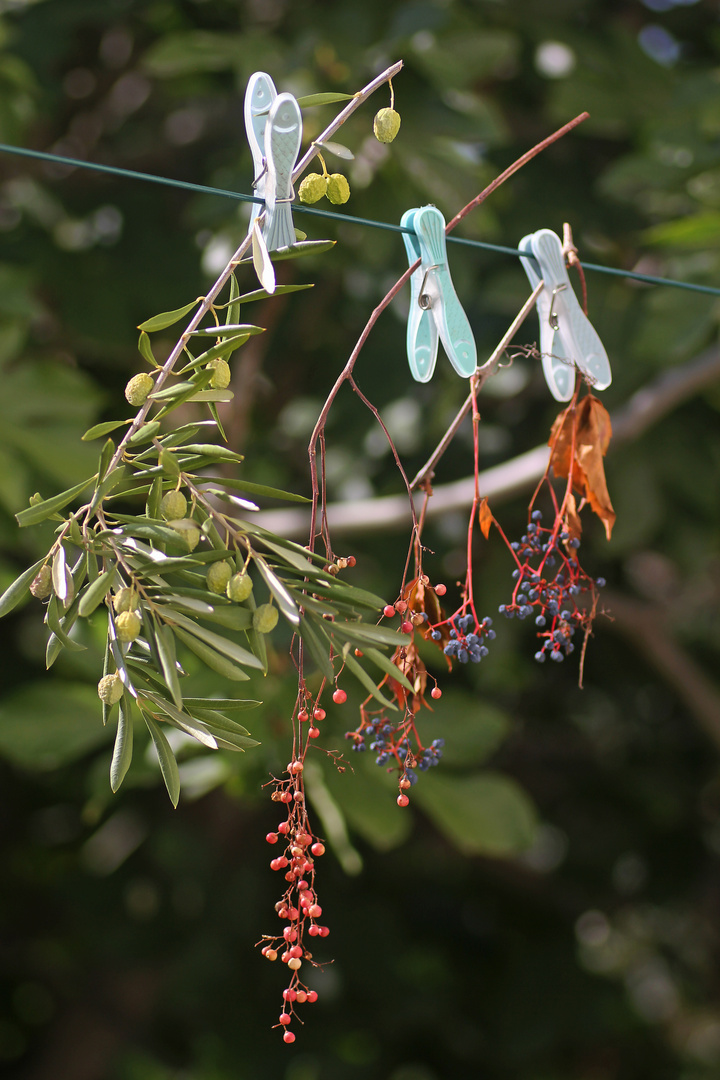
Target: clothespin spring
[[553, 316], [424, 299]]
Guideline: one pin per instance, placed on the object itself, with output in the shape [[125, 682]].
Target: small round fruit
[[221, 373], [123, 600], [338, 189], [138, 388], [239, 587], [173, 506], [187, 528], [402, 800], [110, 689], [436, 692], [128, 625], [313, 187], [339, 697], [265, 618], [218, 577], [42, 583], [386, 125]]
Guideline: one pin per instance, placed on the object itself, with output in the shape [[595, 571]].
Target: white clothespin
[[567, 337], [559, 371], [435, 311], [259, 96]]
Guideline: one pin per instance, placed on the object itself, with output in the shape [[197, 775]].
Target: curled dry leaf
[[579, 440], [485, 517]]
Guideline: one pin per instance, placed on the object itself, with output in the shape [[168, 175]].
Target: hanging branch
[[346, 373]]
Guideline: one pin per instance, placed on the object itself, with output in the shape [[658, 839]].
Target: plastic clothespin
[[559, 371], [575, 340], [435, 311], [259, 96], [283, 136]]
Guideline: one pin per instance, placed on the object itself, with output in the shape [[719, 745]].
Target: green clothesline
[[57, 159]]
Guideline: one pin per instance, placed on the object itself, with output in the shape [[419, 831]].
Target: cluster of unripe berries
[[548, 581], [334, 186], [467, 638], [139, 388], [299, 908], [221, 577]]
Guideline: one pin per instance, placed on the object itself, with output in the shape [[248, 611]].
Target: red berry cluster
[[298, 907]]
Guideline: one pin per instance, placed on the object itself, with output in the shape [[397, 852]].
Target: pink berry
[[401, 607], [312, 996], [272, 838], [288, 1037], [388, 611], [324, 931], [289, 995], [339, 697], [407, 627], [436, 692], [318, 849], [271, 954], [301, 997], [440, 590], [319, 714], [290, 933], [303, 715], [314, 930], [315, 911], [284, 827], [296, 951], [351, 560], [402, 800], [284, 1018], [314, 732]]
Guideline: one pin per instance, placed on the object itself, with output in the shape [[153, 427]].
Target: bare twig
[[645, 407]]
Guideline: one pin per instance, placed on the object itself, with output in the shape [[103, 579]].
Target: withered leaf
[[485, 517], [579, 440]]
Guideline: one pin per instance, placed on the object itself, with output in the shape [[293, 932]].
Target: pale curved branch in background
[[645, 408]]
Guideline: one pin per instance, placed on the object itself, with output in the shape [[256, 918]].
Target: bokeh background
[[548, 908]]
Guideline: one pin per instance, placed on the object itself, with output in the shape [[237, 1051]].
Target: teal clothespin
[[574, 336], [435, 311], [259, 96], [559, 371]]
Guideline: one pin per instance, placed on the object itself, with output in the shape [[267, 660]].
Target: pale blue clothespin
[[567, 337], [259, 96], [273, 123], [435, 311], [283, 136]]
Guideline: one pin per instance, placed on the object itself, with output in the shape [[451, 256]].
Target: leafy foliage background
[[126, 948]]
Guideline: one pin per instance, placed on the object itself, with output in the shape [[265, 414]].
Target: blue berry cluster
[[553, 593], [467, 638], [379, 735]]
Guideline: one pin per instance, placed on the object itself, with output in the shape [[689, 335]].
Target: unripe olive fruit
[[313, 187], [187, 528], [128, 625], [239, 587], [173, 505], [42, 583], [124, 599], [138, 388], [338, 189], [110, 689], [265, 618], [386, 125], [218, 576], [221, 373]]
